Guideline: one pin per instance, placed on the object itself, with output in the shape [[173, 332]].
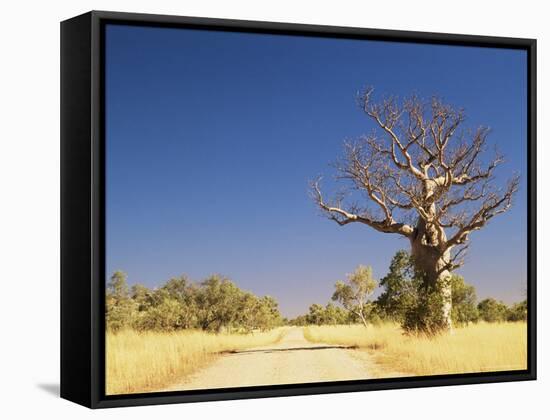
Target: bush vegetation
[[405, 300], [215, 304]]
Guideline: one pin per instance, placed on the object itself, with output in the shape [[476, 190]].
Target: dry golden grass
[[480, 347], [144, 362]]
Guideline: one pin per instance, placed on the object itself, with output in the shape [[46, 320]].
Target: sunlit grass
[[480, 347], [147, 361]]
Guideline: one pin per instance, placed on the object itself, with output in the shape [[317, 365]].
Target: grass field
[[142, 362], [480, 347]]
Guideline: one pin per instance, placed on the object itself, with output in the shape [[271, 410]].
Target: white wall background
[[29, 207]]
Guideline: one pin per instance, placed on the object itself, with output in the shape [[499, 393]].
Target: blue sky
[[212, 138]]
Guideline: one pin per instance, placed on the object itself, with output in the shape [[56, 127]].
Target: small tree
[[117, 287], [491, 310], [142, 297], [218, 302], [464, 301], [353, 295], [316, 314], [247, 316], [400, 288], [181, 290], [178, 288], [334, 315], [166, 316], [267, 313], [119, 307], [518, 312]]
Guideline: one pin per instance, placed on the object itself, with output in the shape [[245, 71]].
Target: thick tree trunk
[[430, 262]]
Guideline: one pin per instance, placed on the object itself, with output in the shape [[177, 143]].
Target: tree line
[[214, 304], [404, 299], [217, 304]]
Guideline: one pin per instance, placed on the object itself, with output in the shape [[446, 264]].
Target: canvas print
[[286, 209]]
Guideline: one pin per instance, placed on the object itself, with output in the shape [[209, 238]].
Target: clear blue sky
[[212, 138]]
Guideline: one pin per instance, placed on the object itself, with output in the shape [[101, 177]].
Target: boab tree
[[425, 178]]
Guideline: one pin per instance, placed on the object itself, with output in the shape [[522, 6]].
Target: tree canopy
[[214, 304], [354, 293]]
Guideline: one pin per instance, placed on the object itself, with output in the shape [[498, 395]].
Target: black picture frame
[[83, 210]]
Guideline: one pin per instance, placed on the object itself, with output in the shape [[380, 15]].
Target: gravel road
[[291, 360]]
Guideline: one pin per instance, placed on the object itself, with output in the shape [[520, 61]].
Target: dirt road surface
[[292, 360]]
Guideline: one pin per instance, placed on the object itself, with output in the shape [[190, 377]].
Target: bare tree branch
[[419, 163], [456, 260], [493, 205], [343, 217], [386, 116]]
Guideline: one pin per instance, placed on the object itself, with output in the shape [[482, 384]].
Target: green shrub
[[491, 310], [518, 312], [425, 315]]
